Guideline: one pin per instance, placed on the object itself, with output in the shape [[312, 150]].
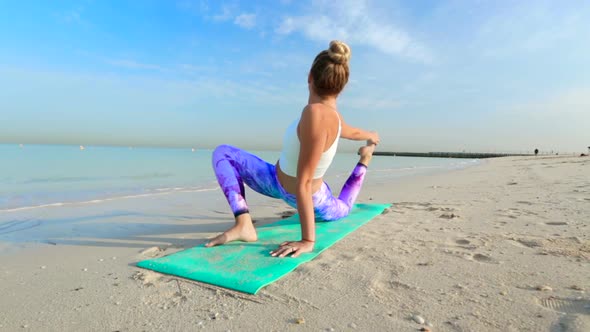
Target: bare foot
[[243, 230], [366, 153]]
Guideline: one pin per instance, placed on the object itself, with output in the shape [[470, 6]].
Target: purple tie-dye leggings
[[234, 167]]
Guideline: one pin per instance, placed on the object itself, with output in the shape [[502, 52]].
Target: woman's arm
[[357, 134], [312, 139]]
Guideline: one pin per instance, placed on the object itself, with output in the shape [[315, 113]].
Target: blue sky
[[427, 75]]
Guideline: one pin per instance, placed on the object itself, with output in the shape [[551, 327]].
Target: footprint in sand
[[434, 208], [448, 216], [391, 209], [567, 247], [528, 243], [147, 278], [576, 313], [567, 306], [469, 244], [459, 246], [474, 257], [514, 213], [509, 213], [420, 207], [151, 252], [385, 285], [482, 258]]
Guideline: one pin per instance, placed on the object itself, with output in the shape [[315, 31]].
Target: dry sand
[[502, 246]]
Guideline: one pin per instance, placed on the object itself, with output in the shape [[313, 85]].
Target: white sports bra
[[290, 154]]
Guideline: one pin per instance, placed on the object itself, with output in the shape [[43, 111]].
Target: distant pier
[[465, 155]]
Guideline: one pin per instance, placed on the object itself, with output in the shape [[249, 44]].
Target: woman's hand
[[373, 138], [293, 248]]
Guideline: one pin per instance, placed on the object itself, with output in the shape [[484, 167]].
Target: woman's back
[[330, 126]]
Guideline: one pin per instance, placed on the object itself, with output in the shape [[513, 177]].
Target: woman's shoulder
[[312, 112], [318, 110], [322, 115]]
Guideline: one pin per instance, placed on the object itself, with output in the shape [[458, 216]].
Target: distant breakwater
[[465, 155]]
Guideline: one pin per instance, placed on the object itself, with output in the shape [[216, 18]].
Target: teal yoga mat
[[247, 267]]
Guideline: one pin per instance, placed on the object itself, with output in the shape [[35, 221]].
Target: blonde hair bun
[[339, 52]]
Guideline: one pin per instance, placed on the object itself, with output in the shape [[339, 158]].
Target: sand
[[502, 246]]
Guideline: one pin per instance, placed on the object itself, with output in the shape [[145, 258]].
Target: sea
[[38, 176]]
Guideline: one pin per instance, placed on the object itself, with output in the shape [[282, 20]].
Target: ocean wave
[[18, 225], [148, 176], [61, 179], [154, 192], [65, 179]]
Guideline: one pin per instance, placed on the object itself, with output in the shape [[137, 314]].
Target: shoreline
[[211, 185], [500, 246]]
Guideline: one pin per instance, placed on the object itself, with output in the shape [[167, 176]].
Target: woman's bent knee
[[333, 213], [223, 148], [222, 152]]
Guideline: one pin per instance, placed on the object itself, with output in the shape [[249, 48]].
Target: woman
[[309, 146]]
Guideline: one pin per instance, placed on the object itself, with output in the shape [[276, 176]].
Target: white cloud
[[355, 22], [287, 26], [246, 21]]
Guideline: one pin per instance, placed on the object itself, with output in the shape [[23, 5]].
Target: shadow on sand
[[119, 229]]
